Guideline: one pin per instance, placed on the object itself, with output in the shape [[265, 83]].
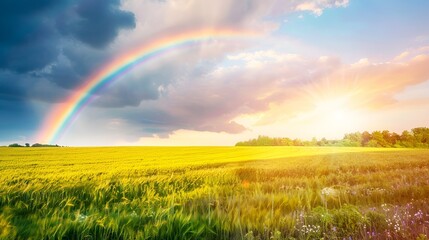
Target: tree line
[[415, 138], [33, 145]]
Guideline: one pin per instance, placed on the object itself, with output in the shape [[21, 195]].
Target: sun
[[335, 115]]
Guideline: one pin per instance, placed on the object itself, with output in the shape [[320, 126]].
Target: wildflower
[[328, 191], [418, 215]]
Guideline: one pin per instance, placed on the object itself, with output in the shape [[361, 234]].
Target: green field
[[214, 193]]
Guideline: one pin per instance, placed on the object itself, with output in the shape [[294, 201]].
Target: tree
[[286, 142], [366, 137], [387, 138], [313, 141], [27, 144], [417, 137], [378, 137], [373, 143], [394, 138], [353, 139], [44, 145], [298, 142], [421, 135], [407, 139], [15, 145], [323, 142]]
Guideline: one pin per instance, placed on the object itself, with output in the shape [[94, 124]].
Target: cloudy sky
[[318, 68]]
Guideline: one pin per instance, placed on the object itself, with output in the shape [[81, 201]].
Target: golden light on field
[[179, 192]]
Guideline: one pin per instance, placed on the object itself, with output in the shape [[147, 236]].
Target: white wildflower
[[328, 191]]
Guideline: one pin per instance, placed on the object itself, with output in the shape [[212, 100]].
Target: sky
[[312, 68]]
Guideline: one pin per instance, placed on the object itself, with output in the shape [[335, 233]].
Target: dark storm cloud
[[16, 114], [11, 92], [32, 38], [48, 47], [74, 64], [28, 40], [17, 119], [96, 22], [28, 87], [32, 32]]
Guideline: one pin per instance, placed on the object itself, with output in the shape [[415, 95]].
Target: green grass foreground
[[214, 193]]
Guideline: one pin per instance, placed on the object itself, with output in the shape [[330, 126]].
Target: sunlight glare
[[335, 115]]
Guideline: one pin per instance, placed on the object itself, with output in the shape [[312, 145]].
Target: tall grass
[[213, 193]]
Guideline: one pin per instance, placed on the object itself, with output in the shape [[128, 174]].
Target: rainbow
[[64, 114]]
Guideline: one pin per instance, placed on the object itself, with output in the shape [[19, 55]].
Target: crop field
[[214, 193]]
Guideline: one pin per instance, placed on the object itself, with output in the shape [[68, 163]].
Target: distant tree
[[373, 143], [353, 139], [407, 139], [44, 145], [387, 136], [15, 145], [313, 142], [277, 142], [366, 137], [421, 136], [264, 141], [286, 142], [27, 144], [379, 138], [323, 142], [417, 137], [394, 139], [349, 143], [297, 142]]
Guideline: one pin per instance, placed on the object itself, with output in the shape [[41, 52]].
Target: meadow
[[214, 193]]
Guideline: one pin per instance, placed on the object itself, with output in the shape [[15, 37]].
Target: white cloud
[[401, 56], [317, 7]]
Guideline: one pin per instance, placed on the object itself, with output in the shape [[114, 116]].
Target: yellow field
[[213, 193]]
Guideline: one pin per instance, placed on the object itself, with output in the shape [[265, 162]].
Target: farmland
[[214, 193]]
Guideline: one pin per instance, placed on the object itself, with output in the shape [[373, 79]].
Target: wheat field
[[214, 193]]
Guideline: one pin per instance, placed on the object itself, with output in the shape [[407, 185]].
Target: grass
[[214, 193]]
